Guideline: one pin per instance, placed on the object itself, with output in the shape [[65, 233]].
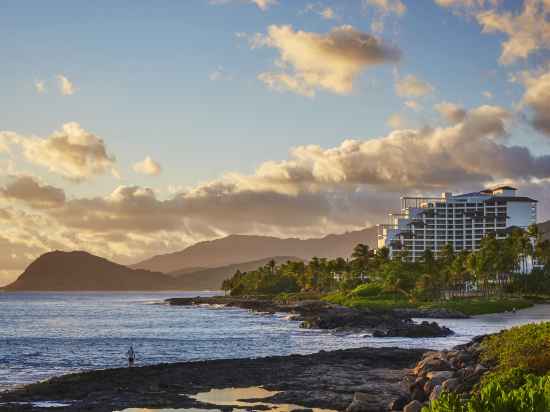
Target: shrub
[[368, 290], [525, 346], [515, 391]]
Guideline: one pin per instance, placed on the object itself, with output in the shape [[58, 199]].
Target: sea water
[[49, 334]]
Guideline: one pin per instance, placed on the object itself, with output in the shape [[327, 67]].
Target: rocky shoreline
[[327, 380], [316, 314]]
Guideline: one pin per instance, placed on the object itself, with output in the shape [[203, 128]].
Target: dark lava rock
[[416, 330], [325, 380]]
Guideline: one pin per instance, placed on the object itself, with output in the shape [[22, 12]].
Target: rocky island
[[317, 314]]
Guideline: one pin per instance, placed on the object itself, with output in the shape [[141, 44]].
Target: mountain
[[211, 279], [244, 248], [81, 271]]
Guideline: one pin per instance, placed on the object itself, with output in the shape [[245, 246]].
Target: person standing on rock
[[131, 356]]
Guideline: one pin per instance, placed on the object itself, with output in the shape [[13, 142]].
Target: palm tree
[[361, 255]]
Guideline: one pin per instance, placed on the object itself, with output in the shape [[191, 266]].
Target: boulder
[[418, 394], [415, 330], [362, 403], [413, 406], [431, 365], [440, 376], [452, 385], [399, 403]]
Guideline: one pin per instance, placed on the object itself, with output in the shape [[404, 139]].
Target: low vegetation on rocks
[[506, 372]]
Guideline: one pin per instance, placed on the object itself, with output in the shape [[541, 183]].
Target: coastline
[[325, 380]]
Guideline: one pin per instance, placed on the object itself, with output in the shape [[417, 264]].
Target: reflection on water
[[249, 398], [169, 410], [240, 398], [39, 404]]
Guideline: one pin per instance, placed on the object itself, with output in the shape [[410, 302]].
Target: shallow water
[[48, 334], [241, 398]]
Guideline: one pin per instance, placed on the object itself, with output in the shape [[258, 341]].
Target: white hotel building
[[461, 220]]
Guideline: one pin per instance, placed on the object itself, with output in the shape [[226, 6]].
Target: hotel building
[[460, 220]]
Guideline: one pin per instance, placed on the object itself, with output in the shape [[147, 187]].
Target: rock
[[436, 391], [440, 376], [416, 330], [362, 402], [399, 403], [480, 369], [431, 365], [428, 386], [452, 385], [418, 394], [413, 406]]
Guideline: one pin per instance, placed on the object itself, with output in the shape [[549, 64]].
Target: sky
[[133, 128]]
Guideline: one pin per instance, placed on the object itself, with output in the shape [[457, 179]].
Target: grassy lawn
[[468, 306], [361, 302], [480, 306]]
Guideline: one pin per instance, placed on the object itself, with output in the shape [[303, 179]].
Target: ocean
[[48, 334]]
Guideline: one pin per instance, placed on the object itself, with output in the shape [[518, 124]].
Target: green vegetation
[[481, 306], [520, 381], [470, 282]]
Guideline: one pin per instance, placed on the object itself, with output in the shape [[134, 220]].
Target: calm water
[[48, 334]]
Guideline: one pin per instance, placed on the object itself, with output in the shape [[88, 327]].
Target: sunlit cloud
[[71, 152], [262, 4], [66, 87], [310, 61], [40, 87], [411, 86], [148, 167]]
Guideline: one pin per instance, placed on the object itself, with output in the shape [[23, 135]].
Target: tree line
[[498, 265]]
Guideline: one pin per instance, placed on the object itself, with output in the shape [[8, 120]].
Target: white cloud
[[411, 86], [262, 4], [527, 32], [326, 12], [537, 98], [71, 152], [312, 62], [453, 113], [66, 87], [396, 121], [40, 87], [148, 167], [413, 105], [388, 6]]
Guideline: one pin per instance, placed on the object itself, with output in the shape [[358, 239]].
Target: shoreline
[[326, 380]]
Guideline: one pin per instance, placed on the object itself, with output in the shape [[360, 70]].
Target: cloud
[[413, 105], [537, 98], [527, 32], [40, 87], [262, 4], [467, 4], [388, 6], [32, 193], [312, 62], [411, 86], [148, 167], [487, 94], [451, 112], [396, 121], [66, 87], [313, 192], [71, 152], [326, 12]]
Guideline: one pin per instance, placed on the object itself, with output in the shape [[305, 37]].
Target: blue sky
[[178, 81]]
